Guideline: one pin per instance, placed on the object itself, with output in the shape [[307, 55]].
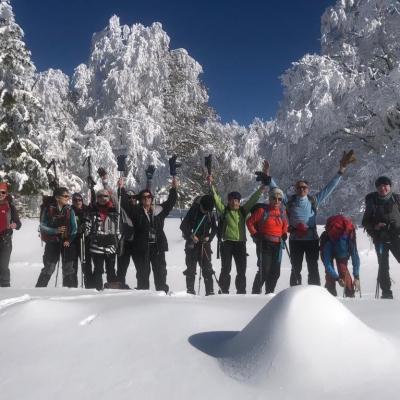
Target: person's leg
[[259, 278], [51, 257], [190, 271], [5, 254], [205, 263], [273, 270], [296, 257], [226, 266], [312, 256], [240, 256], [70, 278], [382, 251], [344, 274], [330, 284], [142, 264], [159, 266], [98, 263]]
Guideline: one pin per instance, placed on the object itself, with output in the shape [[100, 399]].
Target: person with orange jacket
[[268, 225]]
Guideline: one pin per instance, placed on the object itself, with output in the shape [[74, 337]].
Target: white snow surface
[[302, 343]]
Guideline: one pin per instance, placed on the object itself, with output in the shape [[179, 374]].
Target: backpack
[[337, 226], [104, 234]]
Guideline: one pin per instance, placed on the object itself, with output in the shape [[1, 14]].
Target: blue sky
[[243, 46]]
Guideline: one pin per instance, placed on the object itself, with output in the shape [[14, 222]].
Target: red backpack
[[339, 225]]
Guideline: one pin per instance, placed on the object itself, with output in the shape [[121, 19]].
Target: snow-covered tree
[[21, 161]]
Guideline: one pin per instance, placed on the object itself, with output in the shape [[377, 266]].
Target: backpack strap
[[312, 199]]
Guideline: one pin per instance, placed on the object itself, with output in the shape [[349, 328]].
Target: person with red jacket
[[268, 226], [9, 220]]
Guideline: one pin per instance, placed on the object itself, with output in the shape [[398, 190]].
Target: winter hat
[[4, 186], [275, 192], [207, 202], [383, 180], [234, 196]]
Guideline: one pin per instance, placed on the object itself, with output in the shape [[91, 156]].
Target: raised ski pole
[[121, 162]]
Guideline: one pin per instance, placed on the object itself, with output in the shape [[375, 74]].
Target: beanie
[[207, 202], [383, 180]]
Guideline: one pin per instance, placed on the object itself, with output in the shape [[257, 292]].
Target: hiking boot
[[190, 291], [387, 294]]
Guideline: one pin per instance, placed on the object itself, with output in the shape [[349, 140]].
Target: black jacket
[[382, 210], [192, 220], [144, 223]]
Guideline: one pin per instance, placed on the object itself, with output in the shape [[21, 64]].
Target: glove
[[301, 229], [150, 172], [263, 178], [102, 172], [356, 284], [173, 165], [121, 162], [284, 237], [208, 163], [347, 159]]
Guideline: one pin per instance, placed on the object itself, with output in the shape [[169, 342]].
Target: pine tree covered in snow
[[21, 160]]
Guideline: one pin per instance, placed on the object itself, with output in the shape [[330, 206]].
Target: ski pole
[[260, 268], [83, 257], [379, 253], [287, 251], [201, 268], [199, 225], [213, 272]]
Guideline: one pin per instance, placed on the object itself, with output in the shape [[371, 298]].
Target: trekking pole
[[260, 268], [83, 257], [287, 251], [380, 251], [58, 267], [213, 272]]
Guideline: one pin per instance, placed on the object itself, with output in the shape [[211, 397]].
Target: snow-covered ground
[[302, 343]]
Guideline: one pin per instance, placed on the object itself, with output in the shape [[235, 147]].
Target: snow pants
[[99, 260], [199, 253], [344, 274], [237, 250], [382, 251], [156, 261], [124, 260], [269, 257], [5, 254], [53, 251], [297, 250]]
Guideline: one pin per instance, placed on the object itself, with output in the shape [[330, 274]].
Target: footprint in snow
[[88, 320]]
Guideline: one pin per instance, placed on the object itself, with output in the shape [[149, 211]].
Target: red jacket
[[272, 223]]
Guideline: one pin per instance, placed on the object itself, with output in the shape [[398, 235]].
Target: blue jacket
[[302, 211], [343, 248]]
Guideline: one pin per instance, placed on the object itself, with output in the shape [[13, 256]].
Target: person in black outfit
[[81, 213], [199, 228], [127, 249], [9, 220], [150, 241], [382, 222]]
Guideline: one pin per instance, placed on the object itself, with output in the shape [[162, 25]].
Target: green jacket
[[234, 221]]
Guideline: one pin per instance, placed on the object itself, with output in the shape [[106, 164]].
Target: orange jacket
[[272, 225]]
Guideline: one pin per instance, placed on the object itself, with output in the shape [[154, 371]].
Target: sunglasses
[[277, 198], [66, 196], [146, 196], [302, 187], [3, 192], [76, 199], [103, 196]]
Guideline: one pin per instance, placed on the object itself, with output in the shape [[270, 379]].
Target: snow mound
[[305, 336]]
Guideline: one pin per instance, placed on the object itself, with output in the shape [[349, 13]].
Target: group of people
[[116, 228]]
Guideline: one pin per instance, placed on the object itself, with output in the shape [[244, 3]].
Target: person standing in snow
[[102, 231], [233, 234], [150, 240], [268, 226], [199, 228], [81, 212], [302, 210], [9, 220], [58, 230], [381, 220], [338, 242]]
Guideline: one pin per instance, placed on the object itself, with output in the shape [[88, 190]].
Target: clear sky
[[243, 45]]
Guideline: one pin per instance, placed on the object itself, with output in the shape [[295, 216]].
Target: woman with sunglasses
[[58, 230], [9, 220], [268, 226]]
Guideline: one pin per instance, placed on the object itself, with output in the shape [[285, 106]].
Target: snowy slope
[[302, 343]]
